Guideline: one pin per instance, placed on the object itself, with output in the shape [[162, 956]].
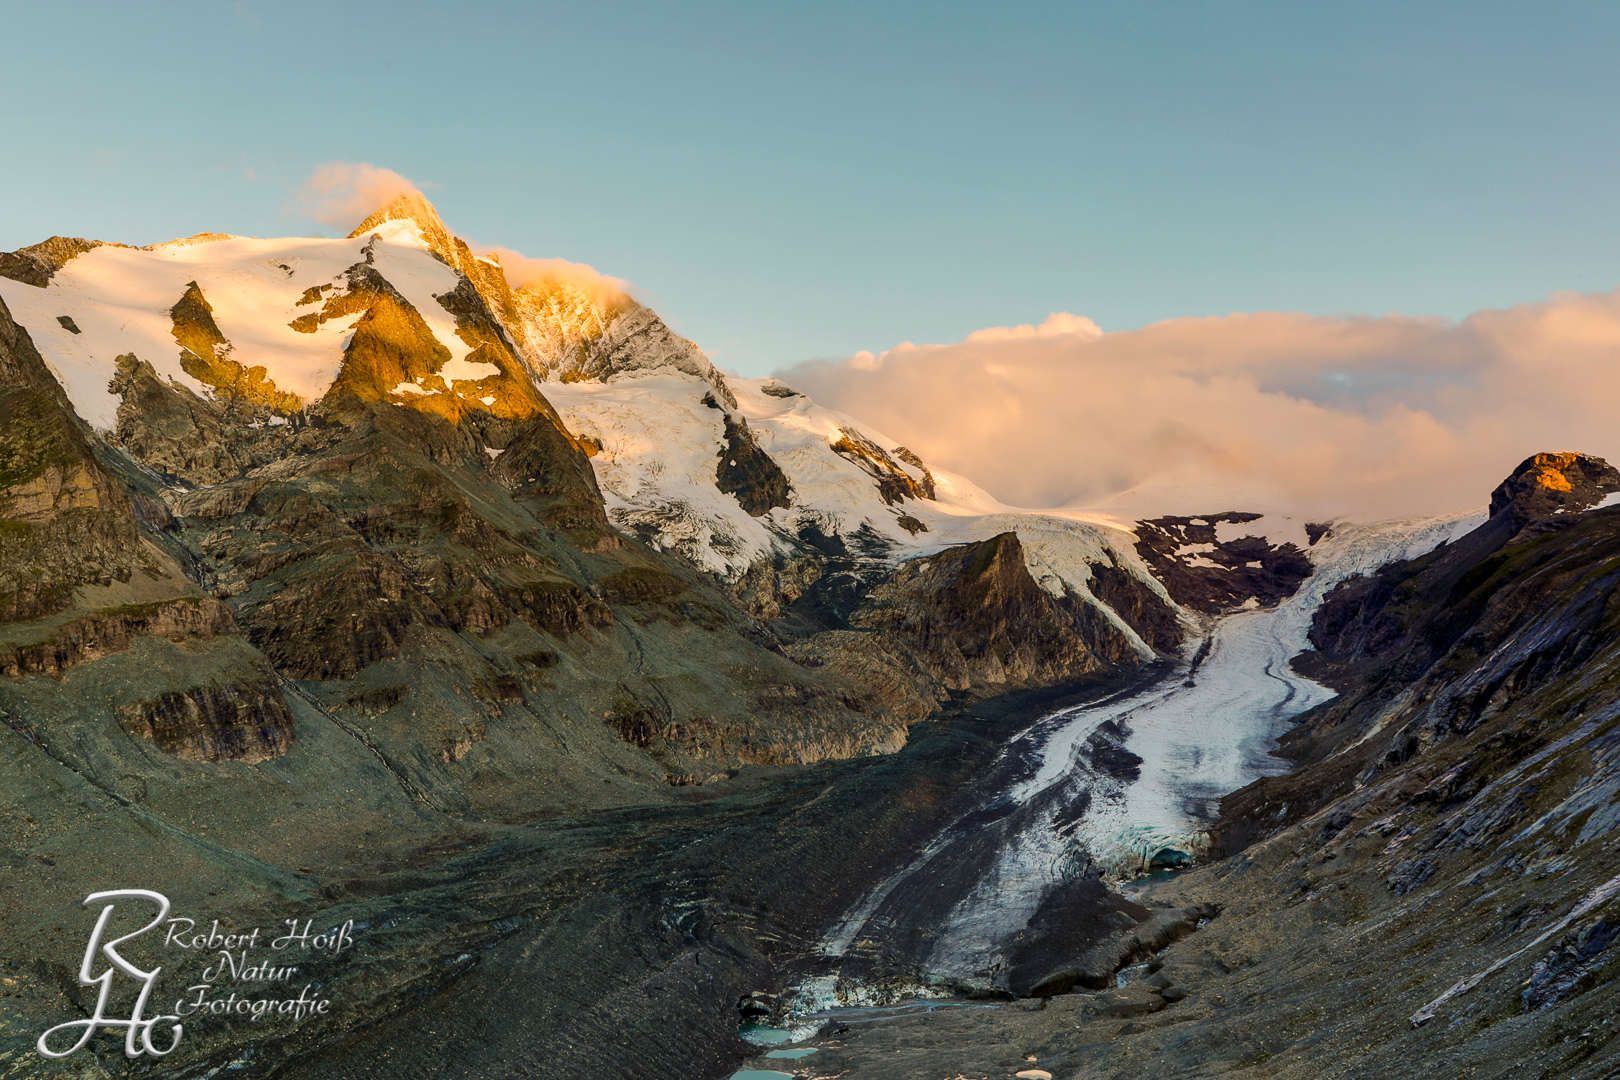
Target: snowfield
[[661, 445]]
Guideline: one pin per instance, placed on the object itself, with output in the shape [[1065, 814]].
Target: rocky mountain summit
[[1548, 484]]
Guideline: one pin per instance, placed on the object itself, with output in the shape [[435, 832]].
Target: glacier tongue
[[1206, 736], [1108, 786]]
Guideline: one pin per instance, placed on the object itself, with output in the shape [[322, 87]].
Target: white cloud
[[342, 194], [1362, 417], [1057, 324], [523, 271]]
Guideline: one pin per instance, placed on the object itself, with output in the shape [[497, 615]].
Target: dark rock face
[[66, 523], [830, 579], [893, 482], [170, 429], [640, 585], [1366, 619], [925, 484], [1548, 484], [748, 472], [1136, 602], [975, 618], [560, 608], [37, 264], [334, 615], [1219, 576], [770, 585], [1579, 955], [247, 722], [102, 633], [547, 471]]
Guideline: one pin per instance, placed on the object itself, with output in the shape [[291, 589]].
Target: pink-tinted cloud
[[522, 271], [341, 194], [1362, 417]]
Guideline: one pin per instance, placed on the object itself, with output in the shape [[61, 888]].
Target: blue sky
[[793, 181]]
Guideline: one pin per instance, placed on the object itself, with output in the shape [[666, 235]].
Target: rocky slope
[[1211, 573], [977, 620]]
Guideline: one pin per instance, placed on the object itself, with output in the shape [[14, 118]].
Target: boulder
[[1129, 1002], [1095, 969]]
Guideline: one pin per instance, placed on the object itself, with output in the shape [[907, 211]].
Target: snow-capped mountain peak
[[738, 476], [412, 208]]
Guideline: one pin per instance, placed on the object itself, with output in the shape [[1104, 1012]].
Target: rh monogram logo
[[134, 1025]]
